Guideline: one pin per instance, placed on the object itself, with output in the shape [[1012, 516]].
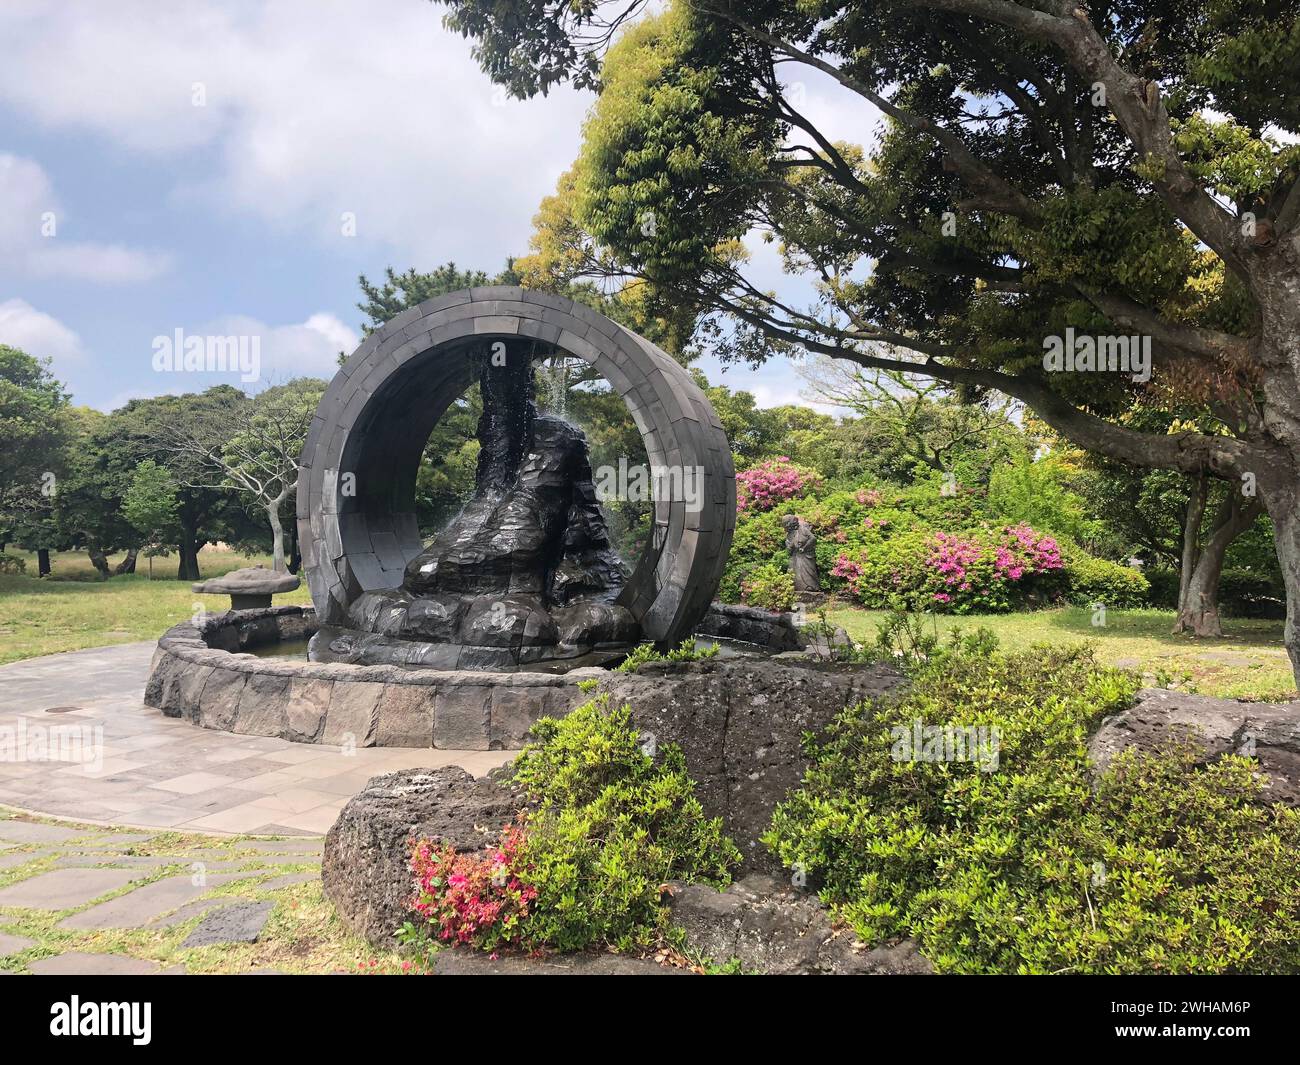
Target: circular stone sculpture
[[249, 588], [356, 487]]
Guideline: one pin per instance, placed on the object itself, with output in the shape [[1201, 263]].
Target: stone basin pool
[[248, 672]]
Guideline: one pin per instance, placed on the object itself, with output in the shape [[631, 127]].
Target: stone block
[[262, 706], [308, 704], [219, 703], [353, 714], [406, 716], [462, 718]]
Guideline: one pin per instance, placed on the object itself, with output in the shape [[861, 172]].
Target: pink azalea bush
[[479, 899], [771, 483], [919, 548], [984, 570]]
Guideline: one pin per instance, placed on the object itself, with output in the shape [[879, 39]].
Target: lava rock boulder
[[365, 871]]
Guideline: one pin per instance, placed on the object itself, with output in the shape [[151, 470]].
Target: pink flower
[[770, 483]]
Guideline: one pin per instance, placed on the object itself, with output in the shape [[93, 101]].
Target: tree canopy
[[1040, 171]]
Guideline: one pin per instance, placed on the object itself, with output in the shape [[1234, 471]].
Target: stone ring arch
[[357, 526]]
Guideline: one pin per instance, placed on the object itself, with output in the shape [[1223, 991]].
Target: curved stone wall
[[740, 722], [356, 515], [203, 673]]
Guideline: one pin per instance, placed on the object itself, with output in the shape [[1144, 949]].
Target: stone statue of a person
[[802, 545]]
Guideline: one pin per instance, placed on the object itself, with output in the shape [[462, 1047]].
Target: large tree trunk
[[42, 562], [1284, 509], [277, 536], [1192, 517], [188, 549], [1198, 607], [127, 565], [100, 563]]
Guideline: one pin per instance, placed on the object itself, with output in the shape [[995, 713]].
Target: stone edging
[[203, 674]]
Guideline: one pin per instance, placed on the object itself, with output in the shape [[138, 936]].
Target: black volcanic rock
[[539, 534], [528, 562]]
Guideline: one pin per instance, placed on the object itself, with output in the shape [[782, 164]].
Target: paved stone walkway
[[122, 763], [77, 899]]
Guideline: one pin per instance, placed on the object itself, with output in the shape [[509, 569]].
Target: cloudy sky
[[231, 167]]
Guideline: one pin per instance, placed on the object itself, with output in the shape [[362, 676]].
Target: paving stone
[[75, 963], [62, 889], [137, 908], [241, 923], [13, 944], [10, 859], [195, 909], [32, 832]]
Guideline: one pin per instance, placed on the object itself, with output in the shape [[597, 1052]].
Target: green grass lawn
[[72, 610], [1249, 662]]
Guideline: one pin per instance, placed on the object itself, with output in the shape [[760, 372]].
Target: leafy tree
[[253, 447], [144, 429], [36, 427], [1188, 521], [910, 420], [561, 255], [102, 460], [400, 291], [1129, 169], [150, 504], [754, 433], [1038, 492]]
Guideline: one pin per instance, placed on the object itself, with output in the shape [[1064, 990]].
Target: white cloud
[[306, 349], [39, 334], [35, 235], [312, 109]]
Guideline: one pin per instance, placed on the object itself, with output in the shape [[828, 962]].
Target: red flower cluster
[[479, 899]]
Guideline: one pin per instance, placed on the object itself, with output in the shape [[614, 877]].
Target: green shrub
[[1163, 585], [839, 519], [881, 546], [769, 587], [1037, 492], [611, 825], [985, 570], [12, 564], [686, 651], [906, 640], [1097, 580], [1162, 866]]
